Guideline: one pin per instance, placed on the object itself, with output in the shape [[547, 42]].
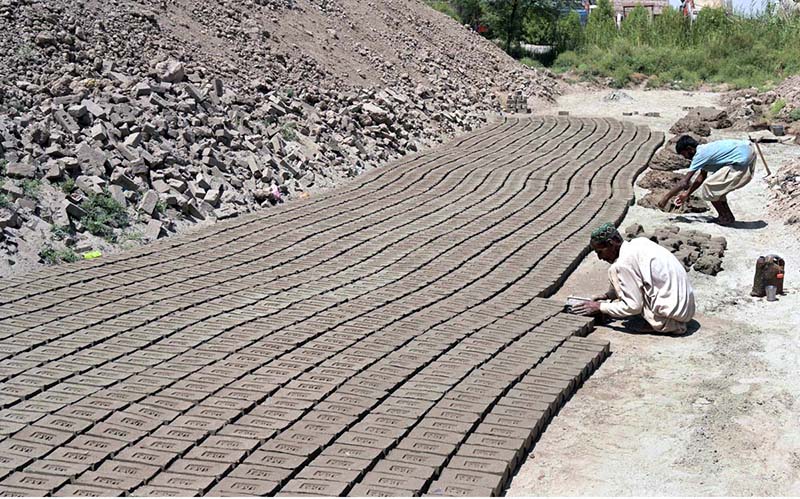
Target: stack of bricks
[[517, 103], [389, 336]]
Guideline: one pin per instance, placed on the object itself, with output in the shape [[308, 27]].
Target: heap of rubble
[[192, 110]]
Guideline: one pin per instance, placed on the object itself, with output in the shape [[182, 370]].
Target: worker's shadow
[[639, 326], [739, 224]]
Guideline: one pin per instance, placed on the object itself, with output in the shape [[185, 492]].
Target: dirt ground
[[712, 413]]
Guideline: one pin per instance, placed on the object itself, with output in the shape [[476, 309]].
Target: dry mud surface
[[713, 413]]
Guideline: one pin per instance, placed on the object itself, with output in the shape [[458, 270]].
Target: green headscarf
[[604, 234]]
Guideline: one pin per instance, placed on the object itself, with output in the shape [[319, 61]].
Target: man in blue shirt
[[724, 166]]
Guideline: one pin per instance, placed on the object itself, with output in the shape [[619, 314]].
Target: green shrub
[[61, 232], [777, 107], [444, 7], [68, 185], [3, 164], [52, 256], [30, 187], [530, 62], [103, 214], [4, 201], [288, 130], [794, 114]]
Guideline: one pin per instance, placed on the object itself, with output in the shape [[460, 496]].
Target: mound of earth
[[659, 183], [751, 109], [168, 113], [694, 249]]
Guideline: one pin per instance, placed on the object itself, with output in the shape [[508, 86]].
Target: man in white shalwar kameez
[[646, 279]]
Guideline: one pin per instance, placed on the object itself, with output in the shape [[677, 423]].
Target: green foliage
[[288, 130], [539, 29], [61, 232], [505, 18], [794, 114], [52, 256], [777, 107], [3, 164], [716, 48], [469, 11], [68, 185], [569, 33], [103, 214], [444, 7], [531, 63], [30, 187], [4, 201]]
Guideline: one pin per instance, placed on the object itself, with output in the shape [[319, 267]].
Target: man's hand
[[682, 198], [664, 201], [587, 308]]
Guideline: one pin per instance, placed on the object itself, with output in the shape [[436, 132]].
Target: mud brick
[[166, 445], [491, 481], [231, 443], [318, 438], [279, 413], [135, 422], [15, 416], [534, 420], [117, 482], [229, 404], [341, 408], [392, 481], [301, 449], [102, 403], [107, 430], [523, 434], [529, 401], [80, 490], [405, 469], [172, 432], [315, 487], [63, 423], [436, 436], [153, 413], [495, 453], [10, 462], [216, 455], [237, 487], [158, 491], [225, 415], [167, 403], [407, 408], [405, 393], [91, 414], [427, 446], [77, 456], [354, 451], [476, 409], [197, 483], [261, 472], [329, 418], [34, 481], [444, 488], [52, 467], [276, 459], [30, 450], [45, 436], [373, 490], [389, 420], [341, 462], [260, 435], [97, 443], [374, 430], [545, 389], [197, 423], [146, 456], [482, 465], [38, 406], [330, 474], [454, 415], [201, 468], [285, 403], [127, 469], [241, 395], [516, 444], [435, 461], [375, 442], [120, 395], [9, 491]]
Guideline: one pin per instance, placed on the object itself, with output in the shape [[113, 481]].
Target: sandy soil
[[712, 413]]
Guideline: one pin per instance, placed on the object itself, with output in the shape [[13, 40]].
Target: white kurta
[[650, 281]]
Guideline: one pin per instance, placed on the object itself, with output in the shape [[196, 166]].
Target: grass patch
[[716, 48], [794, 114], [103, 215], [531, 62], [52, 256], [445, 7], [30, 187], [61, 232], [3, 164], [289, 131], [68, 185]]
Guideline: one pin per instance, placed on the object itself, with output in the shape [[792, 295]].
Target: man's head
[[686, 146], [606, 241]]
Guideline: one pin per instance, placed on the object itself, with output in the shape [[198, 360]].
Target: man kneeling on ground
[[724, 166], [645, 279]]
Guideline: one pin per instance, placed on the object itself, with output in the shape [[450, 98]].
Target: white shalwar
[[650, 281]]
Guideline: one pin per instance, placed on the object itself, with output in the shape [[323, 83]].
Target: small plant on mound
[[61, 232], [103, 215], [68, 185], [52, 256], [30, 187], [794, 114], [288, 130]]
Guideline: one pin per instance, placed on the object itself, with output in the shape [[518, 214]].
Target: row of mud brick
[[517, 103], [267, 348]]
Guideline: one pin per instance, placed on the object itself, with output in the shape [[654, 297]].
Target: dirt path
[[714, 413]]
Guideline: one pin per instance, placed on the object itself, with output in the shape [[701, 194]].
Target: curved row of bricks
[[255, 357]]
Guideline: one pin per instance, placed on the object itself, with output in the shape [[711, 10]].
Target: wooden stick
[[758, 148]]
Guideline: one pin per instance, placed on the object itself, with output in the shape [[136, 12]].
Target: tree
[[601, 30], [569, 33], [505, 18], [637, 28], [470, 11]]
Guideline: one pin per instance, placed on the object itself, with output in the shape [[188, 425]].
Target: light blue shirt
[[737, 154]]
